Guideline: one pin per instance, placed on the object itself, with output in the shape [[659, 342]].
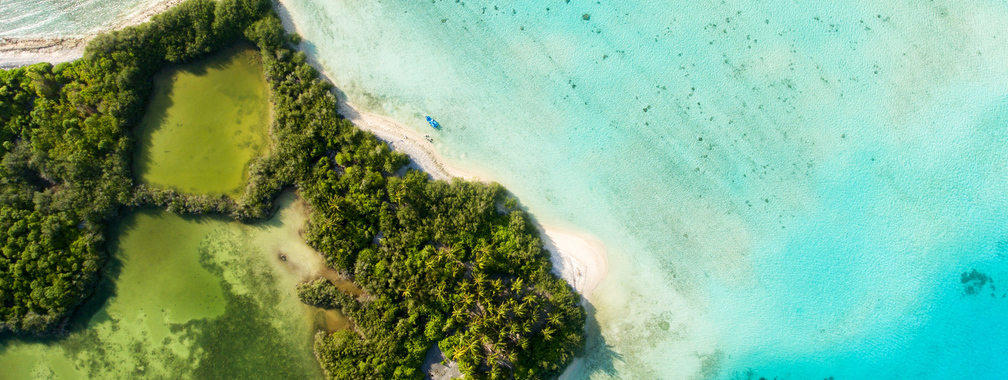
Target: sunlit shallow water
[[191, 298], [791, 190], [62, 18]]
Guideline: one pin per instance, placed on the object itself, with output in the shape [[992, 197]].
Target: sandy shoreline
[[403, 139], [578, 258], [15, 52], [21, 51]]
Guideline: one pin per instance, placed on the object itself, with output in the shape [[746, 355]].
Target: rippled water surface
[[60, 18], [788, 189]]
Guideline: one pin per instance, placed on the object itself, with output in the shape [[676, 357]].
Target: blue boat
[[433, 123]]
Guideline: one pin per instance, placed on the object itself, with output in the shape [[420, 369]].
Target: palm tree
[[439, 292], [408, 292], [497, 285], [520, 310], [479, 276], [516, 285], [466, 299], [554, 319], [334, 203], [547, 333], [458, 314]]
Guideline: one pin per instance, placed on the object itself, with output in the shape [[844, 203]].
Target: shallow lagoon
[[205, 122], [189, 297]]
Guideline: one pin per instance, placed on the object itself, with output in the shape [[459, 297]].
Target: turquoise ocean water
[[63, 18], [791, 190]]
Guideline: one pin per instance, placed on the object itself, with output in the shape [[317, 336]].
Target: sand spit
[[579, 258], [21, 51], [16, 52]]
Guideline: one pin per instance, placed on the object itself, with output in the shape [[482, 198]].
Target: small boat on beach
[[433, 123]]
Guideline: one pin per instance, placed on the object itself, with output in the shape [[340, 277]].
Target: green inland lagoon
[[192, 297], [205, 123]]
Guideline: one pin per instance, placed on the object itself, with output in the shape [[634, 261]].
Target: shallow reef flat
[[784, 189]]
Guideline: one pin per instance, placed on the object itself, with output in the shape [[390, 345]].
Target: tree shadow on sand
[[599, 358]]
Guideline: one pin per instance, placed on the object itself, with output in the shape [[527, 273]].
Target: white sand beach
[[577, 257], [15, 52], [406, 140]]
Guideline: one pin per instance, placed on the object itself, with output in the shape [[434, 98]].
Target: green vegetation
[[454, 264], [211, 115], [63, 174], [187, 297], [66, 150]]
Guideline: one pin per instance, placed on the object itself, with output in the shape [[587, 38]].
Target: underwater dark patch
[[974, 281]]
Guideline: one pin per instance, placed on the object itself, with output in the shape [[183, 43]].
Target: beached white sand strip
[[15, 52], [406, 140], [579, 258], [21, 51]]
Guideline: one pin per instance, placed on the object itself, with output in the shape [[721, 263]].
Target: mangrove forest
[[455, 266]]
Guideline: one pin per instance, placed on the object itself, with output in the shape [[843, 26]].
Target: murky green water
[[205, 122], [189, 297]]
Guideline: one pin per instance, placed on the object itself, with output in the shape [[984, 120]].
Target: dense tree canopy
[[66, 150], [456, 264], [451, 263]]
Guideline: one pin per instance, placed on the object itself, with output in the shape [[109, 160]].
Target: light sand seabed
[[21, 51]]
